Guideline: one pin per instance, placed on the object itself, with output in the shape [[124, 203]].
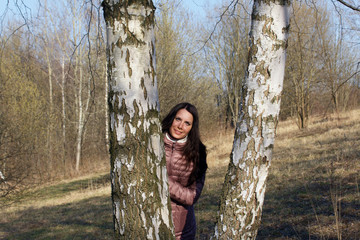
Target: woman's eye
[[187, 124]]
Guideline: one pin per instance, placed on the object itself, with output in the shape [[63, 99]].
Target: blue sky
[[29, 8], [199, 7]]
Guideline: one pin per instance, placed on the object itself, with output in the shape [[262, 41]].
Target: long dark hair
[[194, 150]]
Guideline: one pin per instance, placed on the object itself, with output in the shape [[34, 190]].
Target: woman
[[186, 166]]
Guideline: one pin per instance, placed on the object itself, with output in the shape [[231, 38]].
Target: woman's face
[[181, 124]]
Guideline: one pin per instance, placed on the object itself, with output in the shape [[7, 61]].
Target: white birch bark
[[2, 176], [245, 182], [63, 102], [140, 195], [106, 94], [80, 121], [83, 111], [51, 106], [83, 91], [61, 38]]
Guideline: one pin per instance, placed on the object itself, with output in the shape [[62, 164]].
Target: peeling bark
[[140, 195], [245, 183]]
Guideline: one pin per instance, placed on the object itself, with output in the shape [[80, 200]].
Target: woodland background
[[53, 83]]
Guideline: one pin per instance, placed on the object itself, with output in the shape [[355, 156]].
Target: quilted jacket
[[182, 197]]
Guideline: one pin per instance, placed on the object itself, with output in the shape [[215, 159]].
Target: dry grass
[[219, 148], [313, 184], [312, 190], [72, 209]]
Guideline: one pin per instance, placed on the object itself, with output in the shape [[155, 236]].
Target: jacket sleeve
[[186, 195], [199, 187]]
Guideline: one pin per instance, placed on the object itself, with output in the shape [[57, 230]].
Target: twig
[[235, 2], [349, 5]]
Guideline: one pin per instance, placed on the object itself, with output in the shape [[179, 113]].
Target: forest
[[54, 122]]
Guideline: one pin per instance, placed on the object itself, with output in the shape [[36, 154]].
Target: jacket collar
[[176, 140]]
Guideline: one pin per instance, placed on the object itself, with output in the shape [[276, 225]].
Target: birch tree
[[62, 38], [245, 182], [48, 47], [140, 195], [83, 93]]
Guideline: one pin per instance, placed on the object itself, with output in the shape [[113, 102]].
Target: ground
[[312, 190]]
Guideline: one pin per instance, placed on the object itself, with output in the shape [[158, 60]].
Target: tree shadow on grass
[[302, 208], [57, 190], [281, 205], [292, 206], [296, 207], [87, 219]]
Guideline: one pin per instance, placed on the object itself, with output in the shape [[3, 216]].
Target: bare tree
[[228, 58], [245, 182], [49, 51], [141, 202], [178, 71], [82, 76], [302, 74], [338, 61], [22, 118], [61, 34]]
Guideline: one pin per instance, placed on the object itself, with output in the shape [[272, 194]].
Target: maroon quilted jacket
[[183, 197]]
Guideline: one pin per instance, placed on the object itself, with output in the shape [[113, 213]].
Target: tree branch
[[345, 81], [233, 2], [349, 5]]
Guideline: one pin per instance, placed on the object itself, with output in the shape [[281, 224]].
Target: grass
[[310, 169], [312, 190], [313, 184], [76, 209]]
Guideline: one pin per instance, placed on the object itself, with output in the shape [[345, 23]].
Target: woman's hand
[[181, 194]]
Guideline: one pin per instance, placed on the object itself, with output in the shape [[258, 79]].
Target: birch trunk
[[63, 76], [245, 182], [51, 106], [106, 109], [140, 195], [83, 113], [83, 94], [61, 41], [80, 121]]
